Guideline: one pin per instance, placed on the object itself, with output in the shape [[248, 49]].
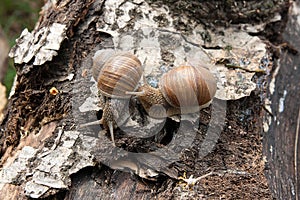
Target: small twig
[[98, 122], [192, 181], [232, 171], [56, 142], [245, 69], [268, 111]]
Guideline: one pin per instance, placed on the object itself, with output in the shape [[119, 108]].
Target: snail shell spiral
[[117, 73]]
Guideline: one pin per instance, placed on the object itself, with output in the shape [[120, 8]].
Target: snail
[[182, 90], [116, 73]]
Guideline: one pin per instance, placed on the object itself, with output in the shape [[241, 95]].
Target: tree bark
[[217, 154], [281, 144]]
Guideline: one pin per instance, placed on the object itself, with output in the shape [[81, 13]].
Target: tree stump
[[215, 153]]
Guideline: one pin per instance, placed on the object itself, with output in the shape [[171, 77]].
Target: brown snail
[[116, 73], [182, 90]]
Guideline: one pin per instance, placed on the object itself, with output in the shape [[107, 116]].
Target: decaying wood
[[44, 151], [282, 143]]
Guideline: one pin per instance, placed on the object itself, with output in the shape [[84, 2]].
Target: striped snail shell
[[116, 73], [188, 88], [99, 60]]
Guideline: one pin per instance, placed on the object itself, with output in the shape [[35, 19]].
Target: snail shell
[[117, 73], [99, 60], [188, 88]]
